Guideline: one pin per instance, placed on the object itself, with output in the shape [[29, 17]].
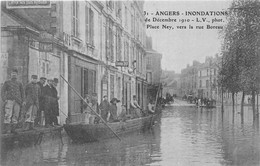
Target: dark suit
[[41, 103], [55, 107], [49, 102]]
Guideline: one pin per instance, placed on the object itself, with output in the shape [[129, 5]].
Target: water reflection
[[184, 136]]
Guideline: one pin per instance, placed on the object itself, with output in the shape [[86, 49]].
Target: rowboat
[[80, 132], [210, 104], [28, 137], [207, 106]]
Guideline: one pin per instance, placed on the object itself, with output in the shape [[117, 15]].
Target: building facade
[[207, 78], [189, 79], [32, 42], [98, 46]]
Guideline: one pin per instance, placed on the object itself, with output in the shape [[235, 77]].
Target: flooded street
[[185, 135]]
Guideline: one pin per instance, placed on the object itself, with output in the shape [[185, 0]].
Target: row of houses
[[100, 47], [200, 79]]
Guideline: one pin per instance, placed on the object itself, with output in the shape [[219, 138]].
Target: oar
[[90, 107]]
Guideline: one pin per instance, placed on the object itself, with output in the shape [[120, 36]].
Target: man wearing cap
[[32, 92], [41, 84], [55, 106], [12, 94], [104, 107]]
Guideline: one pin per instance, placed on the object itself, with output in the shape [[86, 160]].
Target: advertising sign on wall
[[28, 4]]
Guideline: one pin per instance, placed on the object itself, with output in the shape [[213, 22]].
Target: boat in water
[[80, 132], [26, 137], [209, 104]]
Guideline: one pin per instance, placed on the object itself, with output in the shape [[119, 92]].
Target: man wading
[[13, 95], [32, 92]]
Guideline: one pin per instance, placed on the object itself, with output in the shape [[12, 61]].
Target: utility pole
[[222, 94]]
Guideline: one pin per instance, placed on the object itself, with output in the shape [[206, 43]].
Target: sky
[[180, 47]]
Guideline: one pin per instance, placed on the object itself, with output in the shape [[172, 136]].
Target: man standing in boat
[[38, 118], [55, 106], [12, 94], [135, 108], [48, 102], [32, 92], [104, 107], [113, 110]]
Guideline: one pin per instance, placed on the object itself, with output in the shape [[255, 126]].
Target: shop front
[[83, 77]]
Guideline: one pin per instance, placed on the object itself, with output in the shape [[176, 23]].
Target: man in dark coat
[[55, 109], [38, 118], [49, 101], [104, 108], [32, 92], [113, 109], [12, 94]]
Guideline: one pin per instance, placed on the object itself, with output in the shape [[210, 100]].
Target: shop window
[[88, 81], [149, 63], [119, 87], [112, 84], [85, 82], [43, 67], [94, 81], [47, 68]]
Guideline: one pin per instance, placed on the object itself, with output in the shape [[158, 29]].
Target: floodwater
[[184, 135]]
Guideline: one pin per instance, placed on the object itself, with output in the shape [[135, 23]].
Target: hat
[[34, 77], [56, 80], [14, 70], [114, 99], [42, 78]]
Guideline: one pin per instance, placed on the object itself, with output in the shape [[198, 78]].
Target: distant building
[[189, 79], [171, 82], [207, 78]]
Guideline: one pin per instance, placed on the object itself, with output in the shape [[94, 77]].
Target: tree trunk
[[257, 109], [253, 102], [242, 103], [233, 102]]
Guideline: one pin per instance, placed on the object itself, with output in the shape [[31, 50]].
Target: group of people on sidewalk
[[108, 110], [24, 105]]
